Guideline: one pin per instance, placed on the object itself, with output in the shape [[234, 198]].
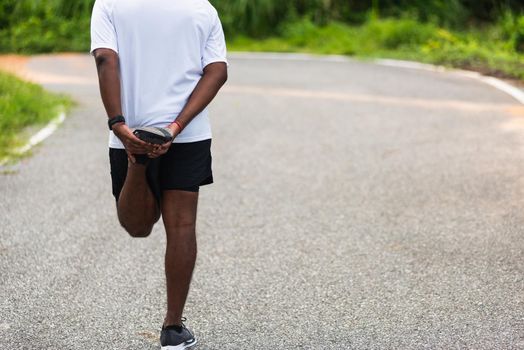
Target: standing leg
[[179, 211], [137, 207]]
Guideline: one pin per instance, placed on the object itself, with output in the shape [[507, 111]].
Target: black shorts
[[185, 167]]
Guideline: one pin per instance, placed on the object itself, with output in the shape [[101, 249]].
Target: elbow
[[221, 74], [224, 77], [217, 71], [106, 58], [106, 62]]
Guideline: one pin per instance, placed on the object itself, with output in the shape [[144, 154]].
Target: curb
[[498, 84], [37, 138]]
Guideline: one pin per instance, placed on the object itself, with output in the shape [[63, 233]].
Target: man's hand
[[214, 76], [132, 144], [162, 149]]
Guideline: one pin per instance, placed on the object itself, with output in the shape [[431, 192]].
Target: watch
[[115, 120]]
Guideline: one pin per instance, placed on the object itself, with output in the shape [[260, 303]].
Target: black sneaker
[[173, 339], [154, 135]]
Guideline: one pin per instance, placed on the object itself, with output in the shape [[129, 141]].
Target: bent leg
[[137, 207], [179, 211]]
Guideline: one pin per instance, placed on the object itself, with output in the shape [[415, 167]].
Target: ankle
[[171, 320]]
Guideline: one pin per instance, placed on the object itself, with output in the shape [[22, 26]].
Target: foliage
[[58, 25], [468, 33], [29, 26], [512, 27], [258, 18], [491, 50], [23, 104]]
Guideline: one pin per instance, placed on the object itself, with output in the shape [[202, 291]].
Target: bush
[[62, 25], [334, 37], [394, 33], [260, 18], [489, 51], [33, 26], [511, 29], [518, 35]]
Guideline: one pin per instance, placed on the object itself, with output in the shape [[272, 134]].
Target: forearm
[[109, 81], [107, 64], [215, 76]]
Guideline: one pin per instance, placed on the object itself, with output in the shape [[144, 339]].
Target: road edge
[[38, 137], [501, 85]]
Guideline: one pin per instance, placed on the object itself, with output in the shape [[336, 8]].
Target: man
[[160, 63]]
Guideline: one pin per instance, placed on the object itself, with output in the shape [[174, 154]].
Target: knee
[[137, 231], [185, 226], [183, 223], [180, 231]]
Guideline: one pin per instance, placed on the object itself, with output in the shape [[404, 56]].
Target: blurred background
[[358, 205], [484, 35]]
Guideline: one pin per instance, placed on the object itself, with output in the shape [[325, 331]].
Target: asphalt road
[[355, 206]]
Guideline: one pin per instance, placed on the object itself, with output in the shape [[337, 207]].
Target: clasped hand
[[134, 145]]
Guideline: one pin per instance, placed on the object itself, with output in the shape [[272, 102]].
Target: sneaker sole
[[151, 135], [179, 347]]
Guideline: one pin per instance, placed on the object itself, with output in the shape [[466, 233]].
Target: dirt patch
[[517, 111], [150, 336], [14, 64], [18, 65]]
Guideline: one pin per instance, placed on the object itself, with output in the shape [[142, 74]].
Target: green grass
[[496, 50], [23, 105]]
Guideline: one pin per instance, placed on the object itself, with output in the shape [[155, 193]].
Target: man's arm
[[214, 77], [107, 64]]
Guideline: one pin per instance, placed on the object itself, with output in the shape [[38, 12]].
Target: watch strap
[[115, 120]]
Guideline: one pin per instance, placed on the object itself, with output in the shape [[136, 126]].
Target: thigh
[[186, 166], [179, 209], [119, 163]]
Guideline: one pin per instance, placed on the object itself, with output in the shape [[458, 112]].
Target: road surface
[[355, 206]]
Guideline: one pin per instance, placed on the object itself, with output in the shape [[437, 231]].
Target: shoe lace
[[183, 319]]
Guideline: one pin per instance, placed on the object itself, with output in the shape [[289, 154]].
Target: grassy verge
[[497, 50], [24, 105]]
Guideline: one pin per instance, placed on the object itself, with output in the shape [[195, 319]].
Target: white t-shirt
[[163, 47]]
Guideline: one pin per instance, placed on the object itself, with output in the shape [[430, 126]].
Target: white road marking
[[40, 136], [511, 90], [43, 133], [516, 93]]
